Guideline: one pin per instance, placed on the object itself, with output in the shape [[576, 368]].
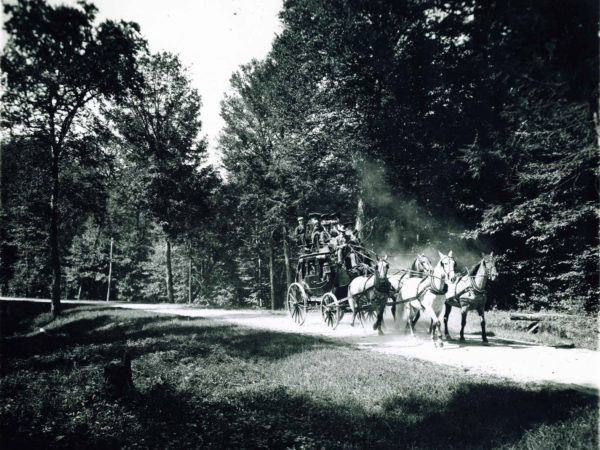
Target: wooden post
[[109, 269]]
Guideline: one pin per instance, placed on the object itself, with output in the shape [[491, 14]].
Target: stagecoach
[[322, 284]]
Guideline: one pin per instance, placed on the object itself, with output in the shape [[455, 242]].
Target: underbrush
[[201, 384]]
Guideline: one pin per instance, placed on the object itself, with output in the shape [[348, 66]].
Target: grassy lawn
[[200, 384]]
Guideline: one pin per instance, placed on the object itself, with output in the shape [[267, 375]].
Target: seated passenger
[[299, 235]]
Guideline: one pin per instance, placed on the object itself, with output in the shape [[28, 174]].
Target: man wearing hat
[[315, 238], [325, 236], [310, 228], [299, 234], [345, 253]]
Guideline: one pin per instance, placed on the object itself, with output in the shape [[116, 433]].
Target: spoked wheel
[[297, 303], [367, 313], [371, 312], [331, 310]]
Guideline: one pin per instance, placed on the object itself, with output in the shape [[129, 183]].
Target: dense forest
[[469, 125]]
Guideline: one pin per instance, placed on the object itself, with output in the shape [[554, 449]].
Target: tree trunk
[[259, 293], [54, 256], [4, 283], [190, 280], [360, 216], [286, 257], [170, 295], [110, 257], [271, 272]]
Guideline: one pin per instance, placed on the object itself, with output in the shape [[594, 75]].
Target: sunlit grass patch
[[577, 330], [202, 384]]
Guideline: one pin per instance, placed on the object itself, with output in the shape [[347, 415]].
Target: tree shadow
[[15, 316], [476, 416], [108, 335]]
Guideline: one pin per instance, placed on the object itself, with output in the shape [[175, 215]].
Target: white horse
[[420, 268], [469, 293], [427, 294], [370, 290]]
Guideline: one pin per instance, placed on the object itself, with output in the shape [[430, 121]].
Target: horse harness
[[420, 294], [383, 287], [472, 287]]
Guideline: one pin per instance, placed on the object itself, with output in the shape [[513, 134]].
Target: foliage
[[159, 126], [448, 119], [466, 125]]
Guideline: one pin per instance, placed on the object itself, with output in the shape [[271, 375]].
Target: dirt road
[[519, 361], [579, 368]]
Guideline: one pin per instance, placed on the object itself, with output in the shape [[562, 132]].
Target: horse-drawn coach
[[336, 276], [324, 282]]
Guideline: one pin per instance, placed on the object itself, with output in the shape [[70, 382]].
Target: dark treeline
[[466, 125]]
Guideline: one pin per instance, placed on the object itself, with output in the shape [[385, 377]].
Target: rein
[[472, 286], [383, 287]]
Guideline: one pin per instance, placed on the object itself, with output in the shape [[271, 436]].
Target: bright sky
[[212, 37]]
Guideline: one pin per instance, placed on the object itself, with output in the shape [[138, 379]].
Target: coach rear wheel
[[297, 303], [331, 310], [366, 313]]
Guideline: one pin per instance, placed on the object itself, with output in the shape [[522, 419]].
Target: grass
[[579, 331], [201, 384]]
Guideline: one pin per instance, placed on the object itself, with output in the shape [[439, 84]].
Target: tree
[[160, 125], [444, 117], [56, 63]]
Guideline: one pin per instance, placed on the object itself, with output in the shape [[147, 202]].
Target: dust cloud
[[401, 227]]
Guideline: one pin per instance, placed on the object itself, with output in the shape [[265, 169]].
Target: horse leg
[[379, 322], [353, 308], [439, 329], [482, 319], [463, 322], [416, 318], [447, 310], [436, 325], [409, 323]]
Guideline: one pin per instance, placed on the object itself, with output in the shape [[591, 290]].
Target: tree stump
[[118, 378]]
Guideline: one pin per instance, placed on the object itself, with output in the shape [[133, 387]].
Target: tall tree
[[160, 125], [56, 62]]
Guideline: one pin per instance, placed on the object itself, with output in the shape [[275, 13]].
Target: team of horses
[[428, 289]]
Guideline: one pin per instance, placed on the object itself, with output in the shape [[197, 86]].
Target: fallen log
[[536, 317]]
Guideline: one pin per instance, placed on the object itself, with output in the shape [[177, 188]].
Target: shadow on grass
[[476, 416], [65, 345], [15, 317]]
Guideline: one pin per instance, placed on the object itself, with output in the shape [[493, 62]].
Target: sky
[[212, 37]]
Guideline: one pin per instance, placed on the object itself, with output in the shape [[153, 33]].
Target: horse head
[[381, 268], [489, 263], [447, 264], [423, 264]]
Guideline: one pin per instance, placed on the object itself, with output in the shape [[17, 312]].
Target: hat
[[314, 215], [300, 217]]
